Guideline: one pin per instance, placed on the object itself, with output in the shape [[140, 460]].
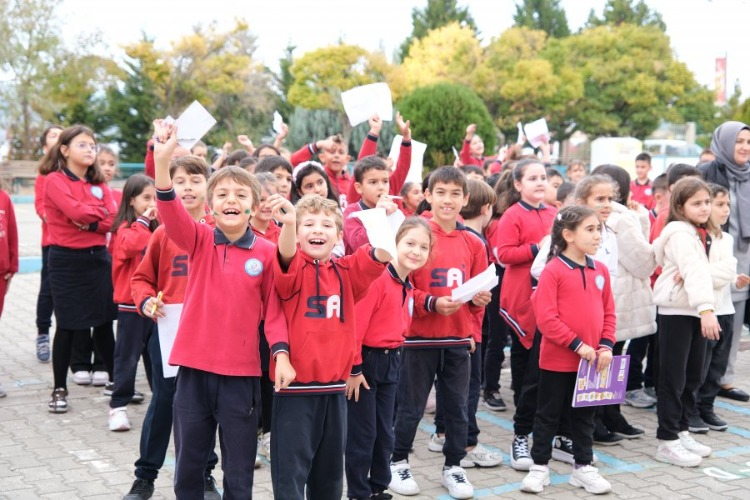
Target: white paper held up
[[167, 332], [380, 230], [278, 121], [537, 132], [482, 282], [361, 102], [417, 158], [193, 124]]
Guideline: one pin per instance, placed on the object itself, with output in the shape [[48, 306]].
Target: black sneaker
[[381, 496], [713, 421], [137, 397], [629, 432], [108, 388], [209, 491], [142, 489], [562, 450], [520, 457], [609, 439], [494, 402], [696, 425]]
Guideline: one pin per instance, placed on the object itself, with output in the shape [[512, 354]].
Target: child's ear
[[358, 187]]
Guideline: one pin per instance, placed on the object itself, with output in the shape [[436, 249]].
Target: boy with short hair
[[641, 187], [281, 169], [318, 293], [164, 269], [371, 180], [438, 344], [661, 196], [231, 278]]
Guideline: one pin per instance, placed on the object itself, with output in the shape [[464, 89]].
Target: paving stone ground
[[74, 455]]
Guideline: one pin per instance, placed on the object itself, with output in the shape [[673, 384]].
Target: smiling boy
[[318, 293], [231, 279]]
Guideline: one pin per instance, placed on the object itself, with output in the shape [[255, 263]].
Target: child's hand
[[710, 326], [742, 280], [404, 127], [604, 359], [376, 124], [634, 206], [149, 305], [352, 386], [587, 352], [150, 213], [458, 163], [386, 202], [481, 299], [7, 278], [678, 278], [473, 345], [470, 131], [281, 134], [284, 373], [281, 209], [545, 147], [324, 145], [446, 306], [246, 143], [165, 141]]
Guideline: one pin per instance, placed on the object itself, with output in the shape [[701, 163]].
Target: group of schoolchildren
[[290, 318]]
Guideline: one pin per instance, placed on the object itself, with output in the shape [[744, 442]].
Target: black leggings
[[104, 345]]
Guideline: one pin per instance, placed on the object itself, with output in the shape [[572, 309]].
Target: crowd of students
[[300, 342]]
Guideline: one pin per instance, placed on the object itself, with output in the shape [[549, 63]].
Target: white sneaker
[[536, 479], [588, 478], [264, 446], [672, 452], [99, 379], [118, 419], [480, 457], [520, 457], [82, 378], [402, 482], [456, 482], [257, 461], [436, 443], [693, 446]]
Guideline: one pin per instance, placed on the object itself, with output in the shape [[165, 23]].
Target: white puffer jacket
[[679, 250], [634, 304]]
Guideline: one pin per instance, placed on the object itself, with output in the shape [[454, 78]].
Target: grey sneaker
[[42, 348], [638, 398], [651, 391]]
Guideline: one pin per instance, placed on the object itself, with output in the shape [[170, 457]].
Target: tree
[[31, 37], [439, 115], [438, 13], [617, 12], [322, 74], [545, 15], [283, 81], [631, 80], [447, 54]]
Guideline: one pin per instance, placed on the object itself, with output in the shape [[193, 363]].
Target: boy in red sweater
[[8, 245], [334, 155], [308, 428], [220, 369], [641, 187], [438, 344]]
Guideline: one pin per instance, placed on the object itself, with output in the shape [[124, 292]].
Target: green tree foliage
[[630, 79], [743, 112], [283, 82], [617, 12], [545, 15], [439, 114], [438, 13]]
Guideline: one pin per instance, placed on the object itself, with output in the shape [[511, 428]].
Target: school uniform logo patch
[[253, 267], [411, 306], [97, 192], [648, 192], [599, 280]]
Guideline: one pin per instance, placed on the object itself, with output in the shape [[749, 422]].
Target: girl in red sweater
[[135, 221], [570, 278]]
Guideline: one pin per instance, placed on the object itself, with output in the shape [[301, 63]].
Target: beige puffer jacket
[[634, 304]]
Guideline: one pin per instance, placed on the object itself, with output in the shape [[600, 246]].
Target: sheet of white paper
[[278, 121], [193, 124], [361, 102], [455, 153], [167, 333], [482, 282], [537, 132], [521, 138], [417, 158], [379, 229]]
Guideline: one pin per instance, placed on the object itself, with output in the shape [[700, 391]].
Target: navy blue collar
[[529, 208], [575, 265], [474, 231], [246, 241], [395, 276], [73, 177]]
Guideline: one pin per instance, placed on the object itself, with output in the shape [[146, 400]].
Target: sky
[[700, 30]]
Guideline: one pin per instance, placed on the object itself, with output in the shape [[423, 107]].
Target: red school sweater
[[8, 236], [128, 245], [68, 200], [229, 291], [318, 300], [383, 315], [563, 287], [456, 257], [39, 206], [516, 239], [398, 176]]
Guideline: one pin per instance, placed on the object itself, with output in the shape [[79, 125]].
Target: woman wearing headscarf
[[731, 169]]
